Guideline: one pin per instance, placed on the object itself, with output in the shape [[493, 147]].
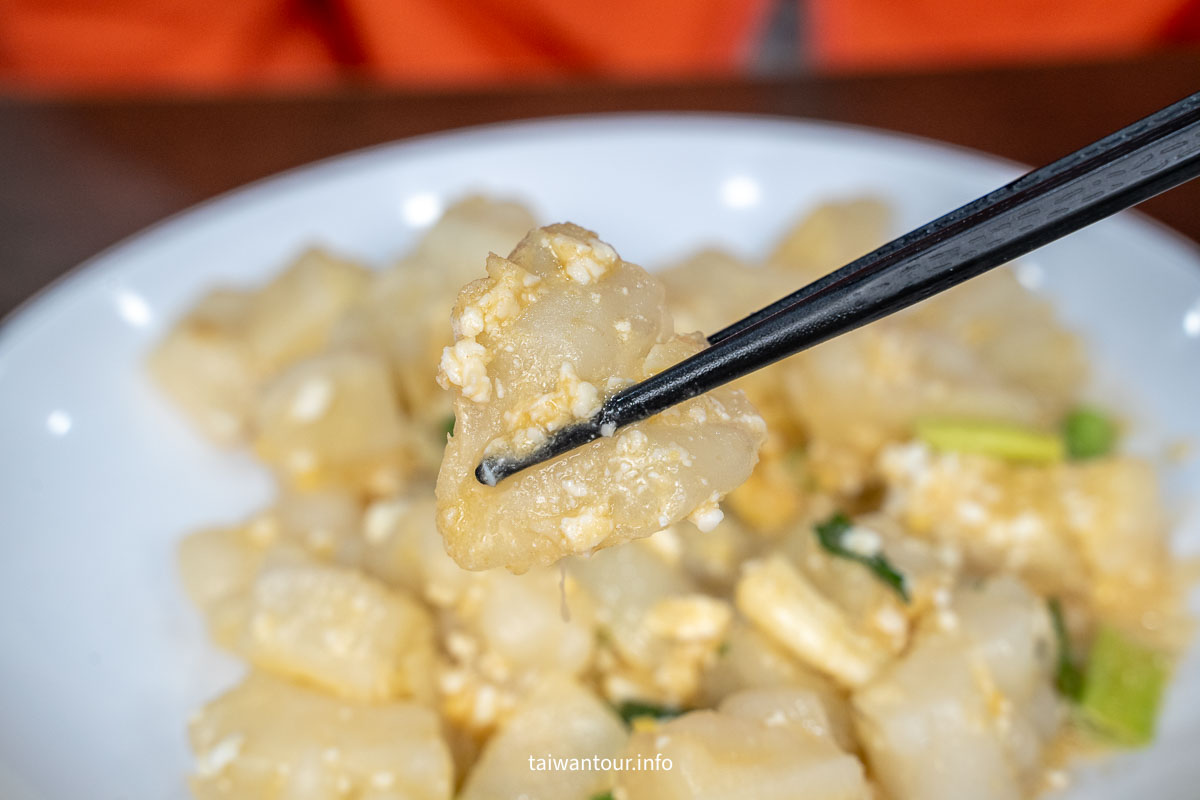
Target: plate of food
[[244, 553]]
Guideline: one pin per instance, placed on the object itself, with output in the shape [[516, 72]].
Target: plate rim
[[84, 286]]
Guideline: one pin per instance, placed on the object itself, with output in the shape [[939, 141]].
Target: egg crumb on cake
[[540, 342]]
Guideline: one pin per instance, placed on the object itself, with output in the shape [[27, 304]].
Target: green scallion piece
[[1123, 688], [629, 710], [1068, 676], [1089, 433], [995, 439], [833, 535]]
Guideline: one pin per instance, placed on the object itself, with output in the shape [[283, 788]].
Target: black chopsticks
[[1119, 171]]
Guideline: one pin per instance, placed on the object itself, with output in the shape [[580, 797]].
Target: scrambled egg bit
[[555, 328]]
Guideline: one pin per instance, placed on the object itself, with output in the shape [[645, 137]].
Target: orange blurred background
[[138, 45]]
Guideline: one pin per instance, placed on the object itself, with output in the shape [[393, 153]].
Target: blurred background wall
[[221, 45]]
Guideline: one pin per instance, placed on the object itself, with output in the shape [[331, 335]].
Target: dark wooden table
[[78, 175]]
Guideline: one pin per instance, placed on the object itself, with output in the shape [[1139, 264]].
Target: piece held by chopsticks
[[1115, 173]]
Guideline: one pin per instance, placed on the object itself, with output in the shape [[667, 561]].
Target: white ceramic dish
[[102, 659]]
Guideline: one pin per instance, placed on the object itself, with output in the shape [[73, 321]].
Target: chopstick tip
[[495, 468], [489, 472]]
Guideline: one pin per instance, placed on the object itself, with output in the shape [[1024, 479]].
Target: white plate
[[103, 659]]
